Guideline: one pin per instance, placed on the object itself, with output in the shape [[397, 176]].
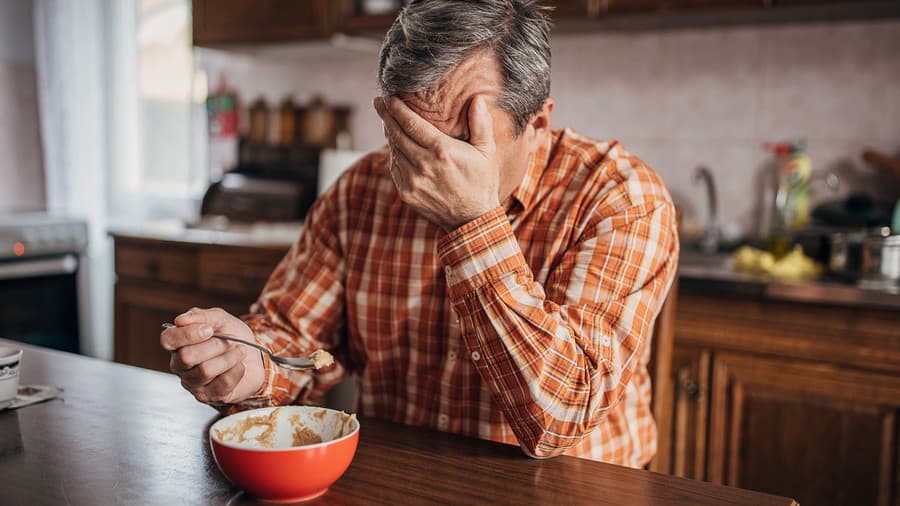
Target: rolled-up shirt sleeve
[[558, 356]]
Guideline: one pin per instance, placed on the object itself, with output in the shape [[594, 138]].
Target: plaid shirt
[[529, 325]]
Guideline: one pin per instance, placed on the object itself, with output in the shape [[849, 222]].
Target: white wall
[[16, 31], [21, 165], [676, 98]]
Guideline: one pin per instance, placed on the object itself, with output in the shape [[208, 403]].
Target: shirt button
[[607, 341], [448, 271], [443, 421], [451, 355], [476, 356]]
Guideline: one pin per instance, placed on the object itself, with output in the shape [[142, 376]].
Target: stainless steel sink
[[717, 266], [694, 258]]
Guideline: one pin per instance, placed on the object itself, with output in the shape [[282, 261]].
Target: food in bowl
[[277, 429], [287, 453]]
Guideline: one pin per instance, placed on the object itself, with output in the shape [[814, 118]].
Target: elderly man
[[483, 274]]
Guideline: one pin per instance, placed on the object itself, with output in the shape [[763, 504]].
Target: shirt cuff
[[265, 391], [479, 252], [270, 370]]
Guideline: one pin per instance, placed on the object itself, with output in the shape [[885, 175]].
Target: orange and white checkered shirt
[[529, 325]]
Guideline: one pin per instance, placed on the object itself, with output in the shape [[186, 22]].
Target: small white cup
[[10, 360]]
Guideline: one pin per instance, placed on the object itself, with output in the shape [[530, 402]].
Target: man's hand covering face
[[448, 181]]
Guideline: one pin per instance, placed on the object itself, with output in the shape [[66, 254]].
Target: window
[[167, 154]]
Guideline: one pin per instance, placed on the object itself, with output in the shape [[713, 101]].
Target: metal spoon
[[293, 363]]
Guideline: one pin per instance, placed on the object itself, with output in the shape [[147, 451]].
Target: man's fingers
[[481, 125], [187, 357], [222, 386], [207, 371], [396, 136], [414, 126], [398, 175], [402, 166], [216, 317], [178, 337]]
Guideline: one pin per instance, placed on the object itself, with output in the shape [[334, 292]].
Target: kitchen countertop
[[697, 273], [260, 235], [124, 435], [714, 275]]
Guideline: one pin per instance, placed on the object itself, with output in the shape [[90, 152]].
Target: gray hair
[[430, 38]]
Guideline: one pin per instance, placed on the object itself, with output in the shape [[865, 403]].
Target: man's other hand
[[213, 370], [448, 181]]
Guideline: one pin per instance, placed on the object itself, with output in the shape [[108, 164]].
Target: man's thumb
[[481, 125]]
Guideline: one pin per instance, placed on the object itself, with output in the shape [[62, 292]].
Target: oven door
[[39, 301]]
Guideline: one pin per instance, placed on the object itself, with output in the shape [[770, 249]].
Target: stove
[[25, 236], [42, 280]]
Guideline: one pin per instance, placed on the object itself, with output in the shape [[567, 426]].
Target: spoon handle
[[248, 343], [226, 338]]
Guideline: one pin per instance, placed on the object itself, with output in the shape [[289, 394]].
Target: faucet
[[709, 241]]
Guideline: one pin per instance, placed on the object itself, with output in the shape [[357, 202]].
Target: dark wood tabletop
[[124, 435]]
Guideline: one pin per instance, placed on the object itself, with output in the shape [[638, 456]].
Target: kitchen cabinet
[[776, 425], [602, 8], [574, 10], [225, 22], [352, 19], [228, 22], [789, 398], [160, 279], [690, 380], [251, 21]]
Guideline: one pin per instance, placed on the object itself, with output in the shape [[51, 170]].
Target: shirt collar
[[523, 196]]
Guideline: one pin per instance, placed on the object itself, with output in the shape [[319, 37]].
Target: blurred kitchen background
[[161, 154]]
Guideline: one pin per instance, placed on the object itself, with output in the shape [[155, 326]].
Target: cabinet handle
[[152, 267], [691, 388]]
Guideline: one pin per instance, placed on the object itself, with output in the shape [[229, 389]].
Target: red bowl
[[286, 473]]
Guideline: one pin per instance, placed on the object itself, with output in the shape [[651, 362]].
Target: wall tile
[[710, 83], [607, 85], [675, 98], [815, 82]]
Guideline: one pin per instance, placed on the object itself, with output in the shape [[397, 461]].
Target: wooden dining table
[[125, 435]]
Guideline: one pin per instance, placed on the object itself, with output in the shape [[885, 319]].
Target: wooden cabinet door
[[140, 311], [690, 380], [248, 21], [569, 8], [239, 273], [670, 6], [816, 433]]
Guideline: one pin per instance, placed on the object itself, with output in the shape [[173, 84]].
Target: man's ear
[[539, 126]]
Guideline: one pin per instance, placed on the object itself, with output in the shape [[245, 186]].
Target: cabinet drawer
[[233, 273], [175, 266]]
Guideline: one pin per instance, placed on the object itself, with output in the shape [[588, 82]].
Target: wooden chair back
[[660, 369]]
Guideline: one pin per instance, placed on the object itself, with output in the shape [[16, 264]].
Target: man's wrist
[[258, 368], [478, 252], [468, 218], [261, 389]]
